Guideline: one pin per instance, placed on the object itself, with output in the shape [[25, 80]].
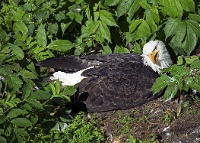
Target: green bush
[[33, 30]]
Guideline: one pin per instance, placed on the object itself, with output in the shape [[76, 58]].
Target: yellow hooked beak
[[154, 56]]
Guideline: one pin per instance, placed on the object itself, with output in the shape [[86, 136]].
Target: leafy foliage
[[181, 77], [78, 130], [33, 30]]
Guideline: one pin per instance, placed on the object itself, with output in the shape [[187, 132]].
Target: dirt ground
[[158, 121]]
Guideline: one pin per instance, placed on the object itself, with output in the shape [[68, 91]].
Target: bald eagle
[[114, 81]]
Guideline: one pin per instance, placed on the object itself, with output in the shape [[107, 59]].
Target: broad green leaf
[[26, 90], [16, 82], [60, 45], [60, 16], [20, 28], [69, 90], [161, 83], [2, 118], [106, 50], [144, 4], [16, 51], [15, 113], [19, 138], [64, 26], [119, 49], [22, 122], [27, 107], [40, 95], [154, 14], [107, 18], [171, 26], [170, 92], [21, 131], [123, 7], [34, 103], [194, 17], [190, 41], [79, 18], [194, 26], [143, 31], [41, 36], [188, 5], [151, 21], [111, 2], [3, 140], [104, 30], [52, 28], [133, 9], [177, 41], [177, 71], [172, 8], [180, 60], [195, 64], [133, 26], [27, 74]]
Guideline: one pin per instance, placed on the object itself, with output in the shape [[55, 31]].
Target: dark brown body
[[118, 81]]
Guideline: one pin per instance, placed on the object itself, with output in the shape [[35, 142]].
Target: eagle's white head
[[156, 55]]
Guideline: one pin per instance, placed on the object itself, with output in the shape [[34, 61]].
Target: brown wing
[[75, 63], [123, 85]]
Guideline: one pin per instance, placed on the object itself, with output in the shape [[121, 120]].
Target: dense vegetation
[[33, 30]]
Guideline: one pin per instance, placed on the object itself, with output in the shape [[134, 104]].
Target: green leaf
[[170, 92], [151, 21], [194, 26], [41, 36], [34, 103], [190, 41], [171, 26], [27, 74], [2, 118], [161, 83], [194, 17], [3, 140], [144, 4], [60, 45], [177, 71], [188, 5], [111, 2], [20, 29], [180, 60], [16, 51], [133, 26], [177, 41], [26, 90], [21, 131], [172, 8], [106, 50], [121, 50], [133, 9], [123, 7], [195, 63], [22, 122], [64, 26], [69, 90], [52, 28], [143, 31], [107, 18], [15, 113], [40, 95], [104, 30]]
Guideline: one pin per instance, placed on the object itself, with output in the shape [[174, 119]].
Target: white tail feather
[[69, 79]]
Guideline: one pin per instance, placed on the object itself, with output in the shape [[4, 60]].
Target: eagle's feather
[[108, 82]]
